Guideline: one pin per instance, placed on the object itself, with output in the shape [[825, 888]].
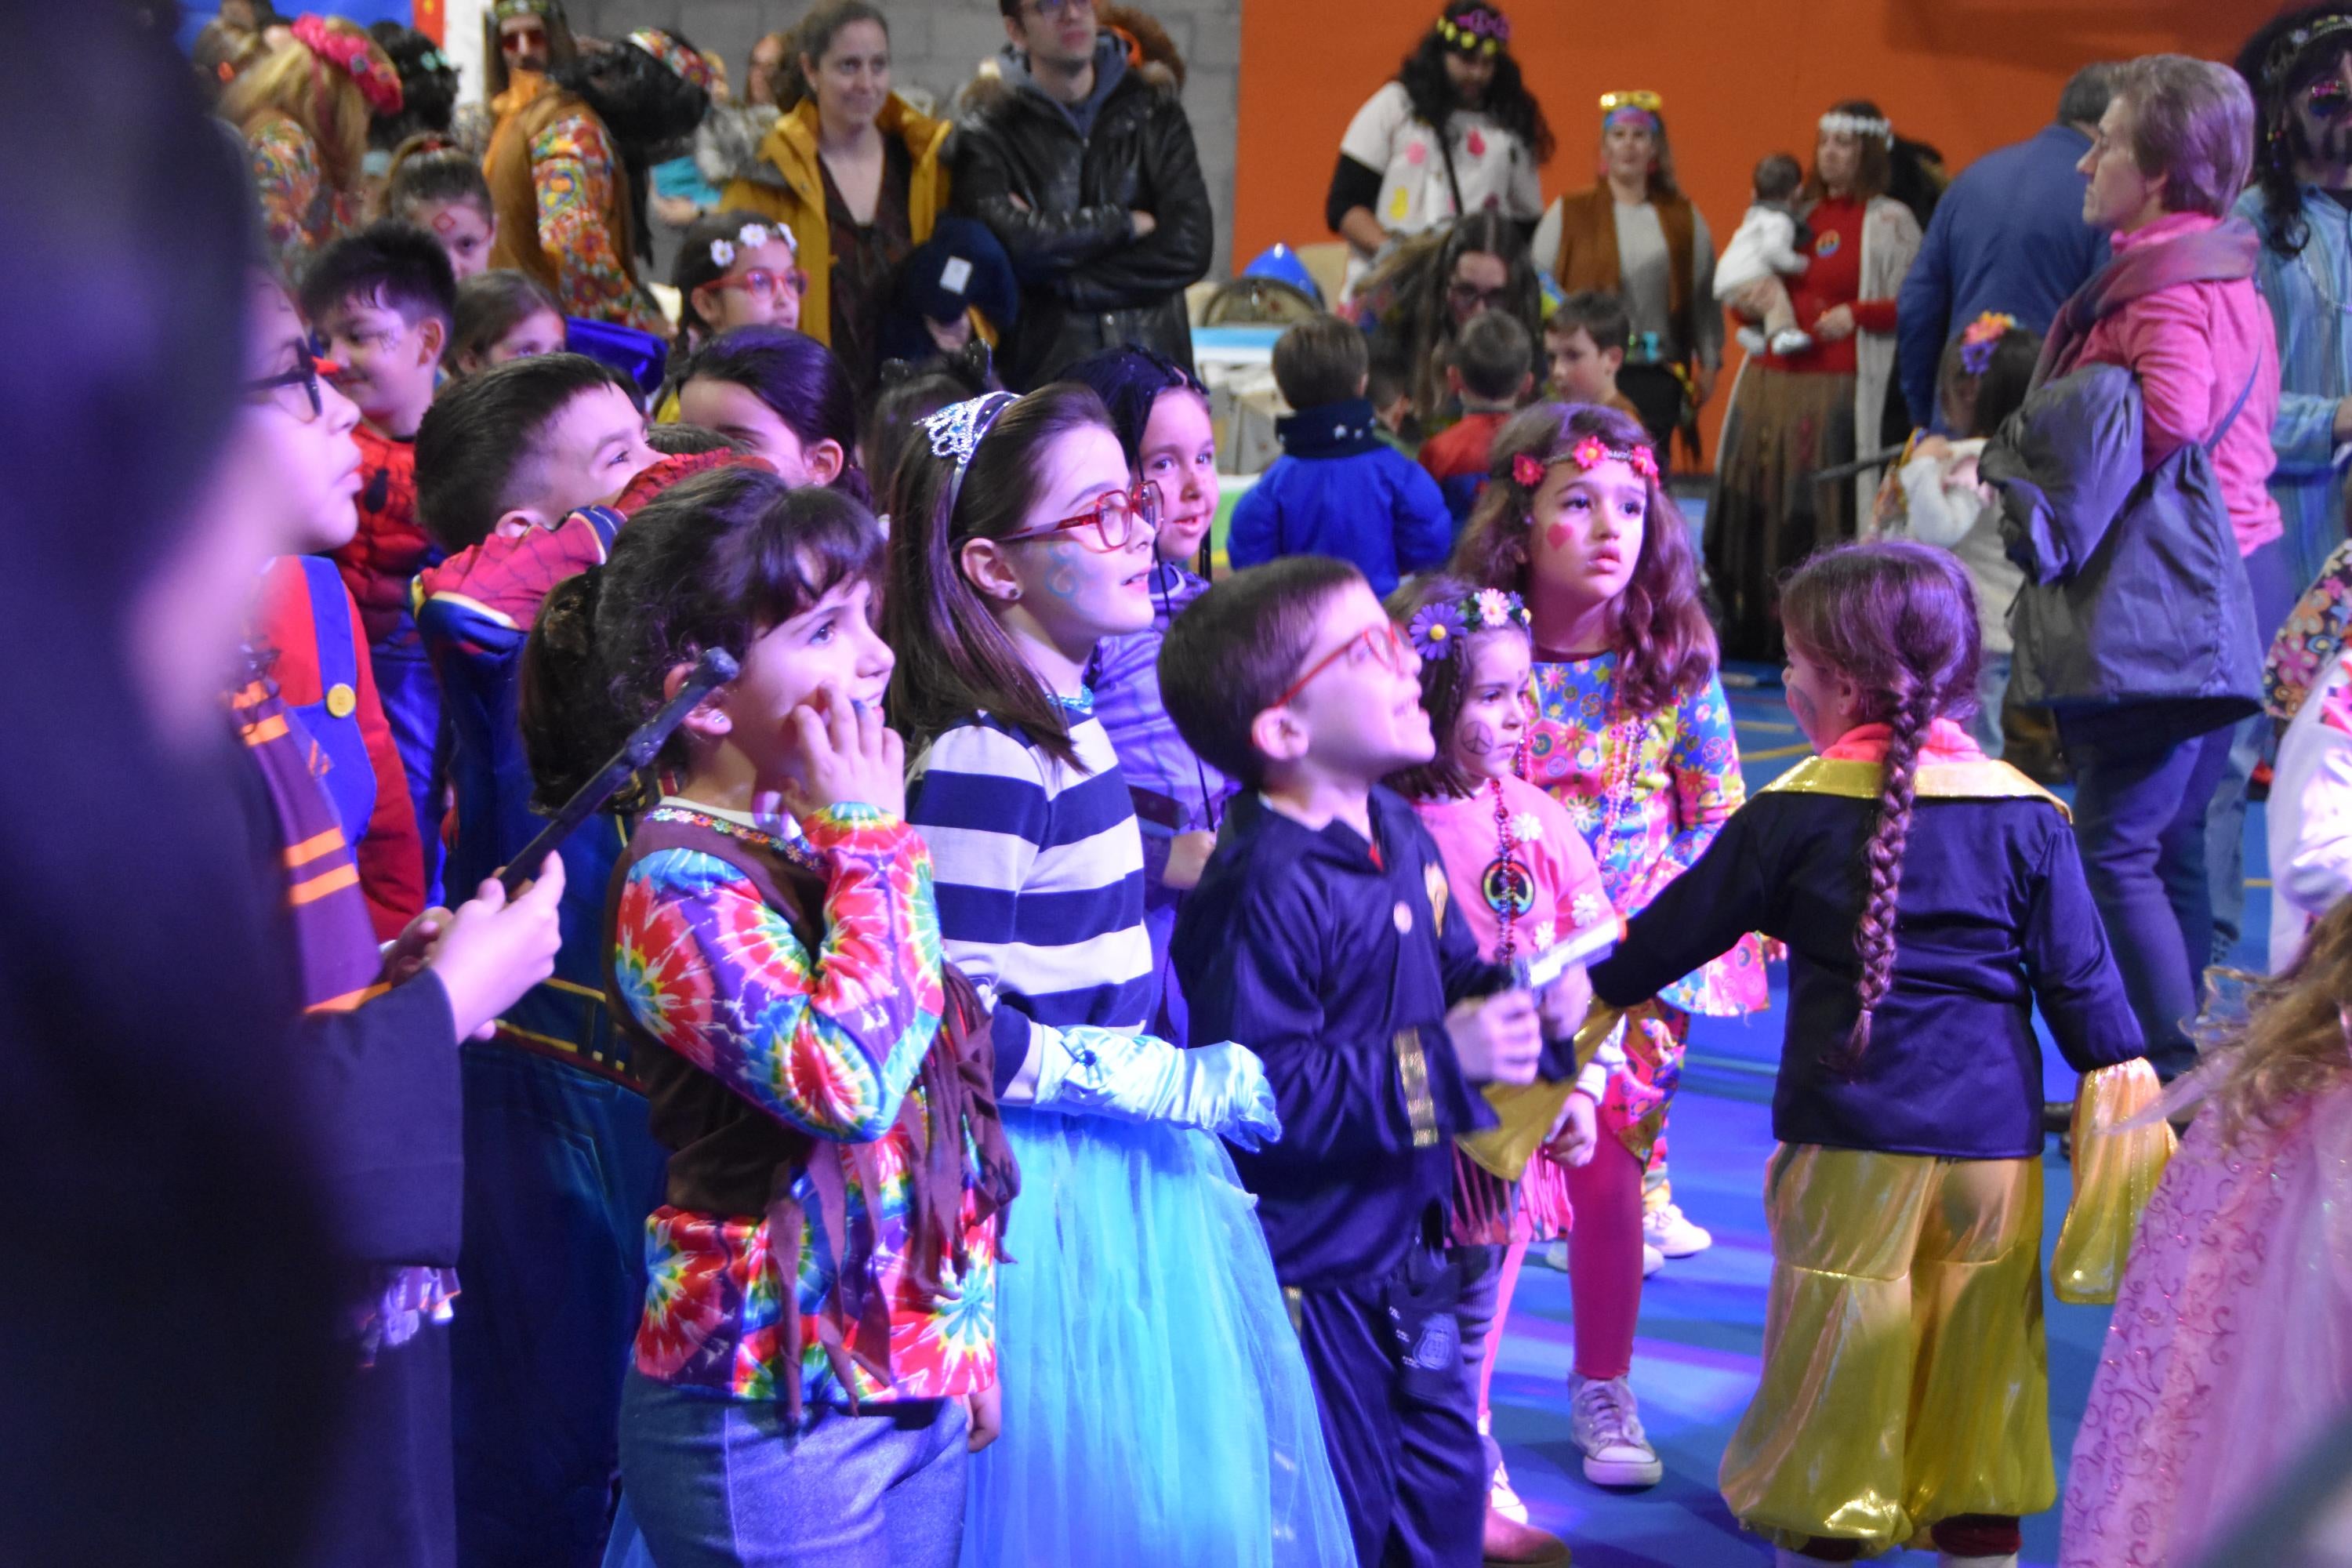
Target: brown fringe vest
[[730, 1158], [1588, 251], [506, 170]]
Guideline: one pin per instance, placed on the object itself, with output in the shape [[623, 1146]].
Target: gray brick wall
[[937, 44]]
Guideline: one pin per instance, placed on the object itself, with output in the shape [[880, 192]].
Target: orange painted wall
[[1740, 79]]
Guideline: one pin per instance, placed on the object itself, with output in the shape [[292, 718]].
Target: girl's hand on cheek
[[846, 755]]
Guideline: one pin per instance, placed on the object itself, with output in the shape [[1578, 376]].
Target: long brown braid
[[1897, 619]]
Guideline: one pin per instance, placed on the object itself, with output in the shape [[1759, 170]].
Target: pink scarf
[[1946, 741]]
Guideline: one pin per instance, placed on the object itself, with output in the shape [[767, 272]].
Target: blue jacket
[[2314, 351], [1338, 489], [2008, 235]]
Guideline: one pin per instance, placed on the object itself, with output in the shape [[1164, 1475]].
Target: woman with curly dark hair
[[1455, 131]]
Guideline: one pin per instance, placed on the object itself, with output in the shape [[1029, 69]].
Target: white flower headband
[[1859, 126], [750, 237]]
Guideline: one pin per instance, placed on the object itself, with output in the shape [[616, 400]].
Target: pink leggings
[[1604, 1258]]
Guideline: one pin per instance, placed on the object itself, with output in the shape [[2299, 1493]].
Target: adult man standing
[[1081, 161], [2299, 67], [2009, 235]]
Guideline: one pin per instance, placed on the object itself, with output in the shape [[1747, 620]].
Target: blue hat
[[1281, 264], [961, 267]]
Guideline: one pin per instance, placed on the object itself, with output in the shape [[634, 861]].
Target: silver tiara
[[955, 432]]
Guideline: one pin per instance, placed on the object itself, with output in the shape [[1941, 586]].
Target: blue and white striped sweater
[[1039, 871]]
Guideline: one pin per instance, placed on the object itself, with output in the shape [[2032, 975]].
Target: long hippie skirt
[[1767, 514], [1906, 1380], [1158, 1408]]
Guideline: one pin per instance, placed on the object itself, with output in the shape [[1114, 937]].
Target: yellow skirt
[[1906, 1379]]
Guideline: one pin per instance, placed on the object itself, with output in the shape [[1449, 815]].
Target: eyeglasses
[[1469, 298], [761, 284], [308, 368], [1054, 10], [521, 39], [1383, 642], [1115, 519]]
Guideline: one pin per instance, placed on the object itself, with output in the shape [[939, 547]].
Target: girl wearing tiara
[[1931, 899]]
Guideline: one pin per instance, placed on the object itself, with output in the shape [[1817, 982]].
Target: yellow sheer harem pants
[[1906, 1379]]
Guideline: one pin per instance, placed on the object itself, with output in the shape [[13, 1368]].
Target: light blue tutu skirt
[[1157, 1409]]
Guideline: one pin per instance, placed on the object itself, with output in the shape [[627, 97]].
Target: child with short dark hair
[[1488, 375], [1931, 899], [1338, 489], [1389, 387], [1768, 247], [1585, 339], [502, 315], [439, 186], [1292, 678], [383, 299]]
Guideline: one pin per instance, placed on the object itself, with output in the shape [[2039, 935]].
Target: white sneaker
[[1555, 1256], [1651, 1261], [1749, 339], [1665, 1229], [1504, 1500], [1606, 1423]]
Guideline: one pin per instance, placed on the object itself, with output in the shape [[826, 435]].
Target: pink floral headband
[[1983, 335], [1528, 469], [355, 57], [1481, 31]]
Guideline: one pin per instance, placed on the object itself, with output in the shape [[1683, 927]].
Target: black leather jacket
[[1059, 203]]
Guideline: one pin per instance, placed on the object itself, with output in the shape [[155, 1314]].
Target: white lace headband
[[955, 432], [1859, 126]]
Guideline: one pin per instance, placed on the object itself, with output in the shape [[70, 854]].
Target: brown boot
[[1507, 1541]]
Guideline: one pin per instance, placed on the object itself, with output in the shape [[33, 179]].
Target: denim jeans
[[2139, 820], [561, 1173], [728, 1483], [1482, 1284], [1992, 690], [2271, 571]]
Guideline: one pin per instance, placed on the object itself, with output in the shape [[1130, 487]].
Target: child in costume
[[439, 186], [816, 1351], [384, 301], [1634, 736], [1521, 877], [560, 1166], [1935, 495], [1931, 899], [1162, 414], [1155, 1408], [304, 111], [2309, 820], [1488, 375], [376, 1049], [1321, 933], [2227, 1358], [501, 316], [785, 398], [1338, 488], [736, 268]]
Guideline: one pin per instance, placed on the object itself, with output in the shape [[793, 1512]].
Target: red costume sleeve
[[391, 856], [1875, 315]]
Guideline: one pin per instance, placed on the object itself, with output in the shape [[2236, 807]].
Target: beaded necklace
[[1506, 845]]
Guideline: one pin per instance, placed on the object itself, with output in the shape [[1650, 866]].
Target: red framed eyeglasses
[[1115, 519], [1384, 642]]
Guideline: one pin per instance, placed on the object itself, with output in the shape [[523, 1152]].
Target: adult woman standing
[[853, 171], [305, 113], [1636, 236], [1456, 132], [1793, 416], [1416, 303], [2176, 306]]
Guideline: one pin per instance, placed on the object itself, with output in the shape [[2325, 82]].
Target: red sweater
[[388, 551], [1461, 447], [1834, 278]]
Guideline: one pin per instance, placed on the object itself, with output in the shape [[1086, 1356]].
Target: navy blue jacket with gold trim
[[1992, 916], [1337, 968]]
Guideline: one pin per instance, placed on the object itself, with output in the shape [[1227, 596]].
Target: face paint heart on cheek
[[1556, 536]]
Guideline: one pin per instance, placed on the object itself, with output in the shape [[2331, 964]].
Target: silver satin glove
[[1140, 1077]]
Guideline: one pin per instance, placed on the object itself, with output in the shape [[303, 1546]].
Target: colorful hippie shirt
[[302, 212], [573, 168], [2309, 643], [828, 1045]]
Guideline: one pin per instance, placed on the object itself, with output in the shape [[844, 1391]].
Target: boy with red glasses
[[1320, 937]]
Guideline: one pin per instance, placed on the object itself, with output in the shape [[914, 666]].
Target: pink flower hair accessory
[[356, 57], [1528, 471], [1593, 451], [1981, 337]]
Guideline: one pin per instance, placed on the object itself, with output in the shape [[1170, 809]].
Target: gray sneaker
[[1606, 1423]]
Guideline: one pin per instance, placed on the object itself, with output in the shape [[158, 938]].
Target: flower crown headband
[[955, 433], [1479, 32], [1439, 627], [356, 57], [1528, 469], [1639, 104], [750, 237], [1862, 127], [1983, 335]]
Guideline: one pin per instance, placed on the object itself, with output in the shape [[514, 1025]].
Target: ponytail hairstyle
[[810, 39], [715, 562], [1666, 647], [432, 167], [800, 381], [1444, 674], [954, 659], [1897, 619]]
